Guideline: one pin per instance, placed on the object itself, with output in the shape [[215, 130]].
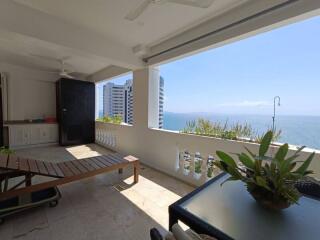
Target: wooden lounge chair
[[63, 172]]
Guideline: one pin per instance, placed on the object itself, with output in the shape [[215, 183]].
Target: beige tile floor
[[105, 207]]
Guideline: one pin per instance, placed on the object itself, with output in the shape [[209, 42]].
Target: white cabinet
[[34, 136], [18, 136], [24, 135], [53, 133], [45, 134]]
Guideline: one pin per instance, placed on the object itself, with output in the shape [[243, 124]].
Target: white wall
[[31, 93]]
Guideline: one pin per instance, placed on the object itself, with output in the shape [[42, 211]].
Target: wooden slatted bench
[[63, 172]]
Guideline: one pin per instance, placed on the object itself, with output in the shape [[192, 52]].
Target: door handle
[[64, 110]]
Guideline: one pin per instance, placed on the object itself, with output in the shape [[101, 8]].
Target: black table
[[229, 212]]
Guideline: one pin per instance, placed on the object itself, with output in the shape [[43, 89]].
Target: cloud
[[246, 103]]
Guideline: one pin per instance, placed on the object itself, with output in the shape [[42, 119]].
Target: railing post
[[181, 162], [191, 166], [204, 169], [114, 141]]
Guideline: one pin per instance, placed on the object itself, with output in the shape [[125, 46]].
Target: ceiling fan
[[65, 71], [135, 13]]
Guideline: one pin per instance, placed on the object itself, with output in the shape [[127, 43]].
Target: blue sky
[[243, 77]]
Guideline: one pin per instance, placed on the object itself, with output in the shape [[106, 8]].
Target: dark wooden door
[[1, 114], [75, 111]]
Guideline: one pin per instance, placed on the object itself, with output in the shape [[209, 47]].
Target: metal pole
[[274, 111]]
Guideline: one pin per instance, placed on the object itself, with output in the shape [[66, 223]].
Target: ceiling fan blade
[[66, 75], [132, 15], [53, 72], [194, 3], [65, 67], [49, 71]]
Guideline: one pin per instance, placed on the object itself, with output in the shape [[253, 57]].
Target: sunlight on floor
[[152, 198]]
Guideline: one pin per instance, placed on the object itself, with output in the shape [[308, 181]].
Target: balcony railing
[[187, 157]]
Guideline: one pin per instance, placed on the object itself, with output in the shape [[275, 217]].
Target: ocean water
[[296, 130]]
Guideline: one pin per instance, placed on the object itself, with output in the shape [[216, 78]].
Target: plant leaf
[[234, 172], [246, 160], [251, 153], [291, 193], [226, 158], [262, 182], [265, 143], [258, 166], [294, 176], [292, 166], [300, 149], [219, 165], [304, 166], [308, 172], [282, 152], [293, 157], [286, 166]]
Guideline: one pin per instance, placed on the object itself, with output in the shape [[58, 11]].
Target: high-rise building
[[161, 101], [118, 100], [128, 102]]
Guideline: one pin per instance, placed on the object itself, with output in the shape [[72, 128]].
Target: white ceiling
[[104, 18], [20, 50]]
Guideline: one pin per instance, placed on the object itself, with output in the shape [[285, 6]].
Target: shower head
[[275, 98]]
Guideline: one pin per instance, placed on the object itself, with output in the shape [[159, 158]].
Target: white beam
[[15, 17], [108, 73]]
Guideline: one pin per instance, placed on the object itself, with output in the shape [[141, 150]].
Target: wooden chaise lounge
[[63, 172]]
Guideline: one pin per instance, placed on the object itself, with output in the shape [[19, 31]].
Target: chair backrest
[[309, 188], [155, 234]]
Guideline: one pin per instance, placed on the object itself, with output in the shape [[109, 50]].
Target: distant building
[[161, 101], [118, 100], [128, 102]]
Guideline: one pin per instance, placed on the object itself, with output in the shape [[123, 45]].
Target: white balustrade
[[187, 157], [196, 166], [105, 137]]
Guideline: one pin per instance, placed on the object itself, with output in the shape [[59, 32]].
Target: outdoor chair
[[309, 187], [179, 234]]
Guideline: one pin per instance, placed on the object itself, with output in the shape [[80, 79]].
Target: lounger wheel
[[53, 203]]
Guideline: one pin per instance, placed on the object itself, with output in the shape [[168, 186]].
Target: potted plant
[[270, 180], [7, 151]]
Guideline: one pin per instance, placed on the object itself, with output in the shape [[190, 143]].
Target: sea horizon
[[257, 114], [301, 130]]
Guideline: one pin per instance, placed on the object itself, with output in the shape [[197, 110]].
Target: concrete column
[[153, 98], [97, 105], [146, 98]]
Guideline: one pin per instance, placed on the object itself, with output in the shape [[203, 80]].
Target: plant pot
[[268, 199]]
